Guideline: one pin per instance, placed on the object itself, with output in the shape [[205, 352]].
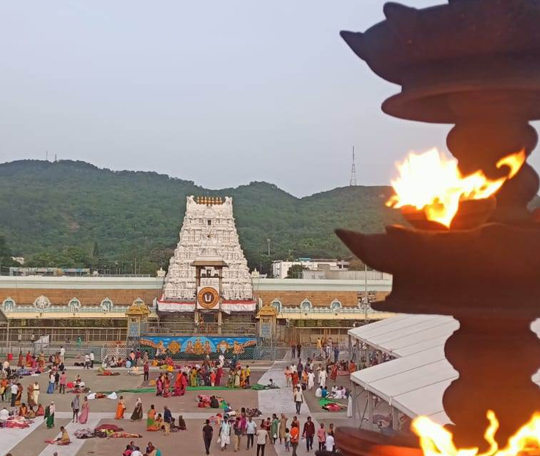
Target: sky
[[218, 92]]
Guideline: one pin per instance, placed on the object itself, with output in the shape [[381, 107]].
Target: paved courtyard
[[32, 441]]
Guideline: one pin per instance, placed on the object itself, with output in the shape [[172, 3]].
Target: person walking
[[92, 359], [251, 430], [35, 393], [321, 437], [207, 432], [298, 399], [282, 428], [50, 389], [293, 350], [75, 407], [167, 420], [299, 350], [295, 437], [238, 431], [62, 355], [330, 442], [225, 434], [146, 371], [262, 439], [309, 433], [62, 383], [14, 391]]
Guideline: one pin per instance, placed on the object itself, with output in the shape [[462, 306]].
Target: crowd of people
[[234, 430]]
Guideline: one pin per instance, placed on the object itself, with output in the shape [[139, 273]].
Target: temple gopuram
[[208, 282]]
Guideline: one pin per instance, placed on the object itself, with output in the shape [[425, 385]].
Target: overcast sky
[[218, 92]]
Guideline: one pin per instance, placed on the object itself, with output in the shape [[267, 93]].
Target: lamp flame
[[438, 441], [433, 183]]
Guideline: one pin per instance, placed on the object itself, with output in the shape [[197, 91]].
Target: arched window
[[8, 305], [106, 305], [306, 306], [276, 303], [74, 305], [335, 306]]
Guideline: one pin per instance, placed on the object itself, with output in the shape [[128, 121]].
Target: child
[[287, 440]]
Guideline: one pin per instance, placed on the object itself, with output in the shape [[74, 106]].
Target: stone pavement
[[31, 441]]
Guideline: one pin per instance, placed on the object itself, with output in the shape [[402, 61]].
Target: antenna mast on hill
[[353, 183]]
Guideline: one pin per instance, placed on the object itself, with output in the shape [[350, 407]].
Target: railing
[[66, 309], [184, 328]]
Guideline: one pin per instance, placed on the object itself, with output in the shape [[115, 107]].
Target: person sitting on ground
[[4, 415], [40, 410], [214, 403], [324, 393], [64, 437], [182, 423]]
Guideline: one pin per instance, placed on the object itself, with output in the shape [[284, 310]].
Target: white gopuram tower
[[208, 273]]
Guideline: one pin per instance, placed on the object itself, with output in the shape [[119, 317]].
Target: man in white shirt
[[4, 414], [92, 359], [136, 452], [62, 354], [251, 430], [14, 391], [322, 377], [329, 443], [298, 399], [87, 361]]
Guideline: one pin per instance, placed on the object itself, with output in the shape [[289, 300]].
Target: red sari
[[219, 374], [166, 387], [334, 373], [180, 385]]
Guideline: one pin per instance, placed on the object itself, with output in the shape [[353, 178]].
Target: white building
[[280, 268]]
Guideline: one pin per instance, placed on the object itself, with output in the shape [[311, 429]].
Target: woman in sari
[[159, 386], [166, 387], [28, 359], [120, 409], [157, 425], [237, 378], [333, 375], [219, 374], [18, 397], [85, 410], [179, 386], [41, 360], [20, 362], [23, 410], [49, 415], [151, 419], [40, 410], [193, 377], [182, 423], [30, 395], [137, 413]]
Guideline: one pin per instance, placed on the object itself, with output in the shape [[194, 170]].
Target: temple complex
[[208, 290]]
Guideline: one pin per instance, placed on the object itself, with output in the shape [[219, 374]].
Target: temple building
[[208, 290], [208, 262]]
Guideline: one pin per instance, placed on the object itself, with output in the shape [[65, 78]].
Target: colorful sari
[[85, 410], [18, 397], [137, 413], [120, 409], [151, 420], [49, 416], [166, 387]]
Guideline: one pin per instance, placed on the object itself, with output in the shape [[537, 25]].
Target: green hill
[[71, 213]]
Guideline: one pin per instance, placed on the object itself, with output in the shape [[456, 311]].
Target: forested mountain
[[71, 213]]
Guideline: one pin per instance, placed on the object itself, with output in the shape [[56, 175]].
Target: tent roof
[[406, 335], [415, 382]]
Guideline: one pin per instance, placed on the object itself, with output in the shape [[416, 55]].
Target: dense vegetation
[[74, 214]]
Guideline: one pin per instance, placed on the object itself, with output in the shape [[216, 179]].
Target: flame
[[437, 441], [433, 183]]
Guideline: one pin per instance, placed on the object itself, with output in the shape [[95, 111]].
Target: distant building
[[280, 268], [19, 260], [16, 271]]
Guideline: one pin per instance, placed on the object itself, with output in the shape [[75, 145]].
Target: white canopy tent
[[414, 382]]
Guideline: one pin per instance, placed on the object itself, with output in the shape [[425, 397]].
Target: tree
[[295, 271]]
